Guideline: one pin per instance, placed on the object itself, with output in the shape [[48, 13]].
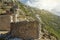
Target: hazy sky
[[44, 4]]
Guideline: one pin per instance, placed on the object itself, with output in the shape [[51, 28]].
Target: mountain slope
[[50, 21]]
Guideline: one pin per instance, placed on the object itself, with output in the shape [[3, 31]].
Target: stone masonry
[[4, 22]]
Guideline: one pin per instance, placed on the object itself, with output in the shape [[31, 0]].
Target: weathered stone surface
[[25, 29], [4, 22]]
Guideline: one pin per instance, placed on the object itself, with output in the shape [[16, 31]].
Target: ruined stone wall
[[25, 29], [4, 22]]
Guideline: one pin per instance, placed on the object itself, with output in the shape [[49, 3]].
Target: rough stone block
[[25, 29], [4, 22]]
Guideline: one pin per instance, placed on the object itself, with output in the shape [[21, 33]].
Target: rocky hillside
[[50, 28], [50, 22]]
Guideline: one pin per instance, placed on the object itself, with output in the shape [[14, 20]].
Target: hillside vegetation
[[50, 21]]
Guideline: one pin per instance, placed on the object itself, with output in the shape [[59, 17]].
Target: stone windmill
[[12, 11]]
